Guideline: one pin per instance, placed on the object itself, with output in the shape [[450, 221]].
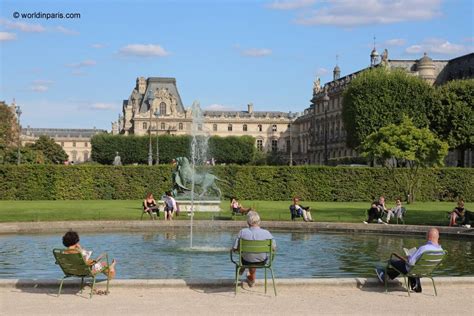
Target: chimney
[[250, 107]]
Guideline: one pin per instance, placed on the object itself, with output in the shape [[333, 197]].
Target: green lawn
[[420, 213]]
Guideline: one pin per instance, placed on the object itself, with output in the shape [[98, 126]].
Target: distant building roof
[[62, 132]]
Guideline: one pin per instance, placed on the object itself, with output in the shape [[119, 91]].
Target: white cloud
[[147, 50], [349, 13], [98, 45], [256, 52], [101, 106], [23, 27], [6, 36], [84, 63], [66, 31], [290, 5], [395, 42], [41, 85], [321, 72], [218, 107], [78, 73], [437, 46]]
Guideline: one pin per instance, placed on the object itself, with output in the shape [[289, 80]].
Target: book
[[410, 251]]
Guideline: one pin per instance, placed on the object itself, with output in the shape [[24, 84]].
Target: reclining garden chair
[[424, 267], [254, 246], [73, 265]]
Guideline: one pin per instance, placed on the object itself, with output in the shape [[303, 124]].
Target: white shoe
[[365, 222], [380, 221]]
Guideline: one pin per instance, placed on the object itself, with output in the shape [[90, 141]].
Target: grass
[[419, 213]]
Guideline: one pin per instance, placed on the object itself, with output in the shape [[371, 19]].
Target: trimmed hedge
[[95, 182]]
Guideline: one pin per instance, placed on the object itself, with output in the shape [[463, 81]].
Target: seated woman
[[396, 211], [237, 208], [298, 210], [149, 205], [457, 215], [71, 241]]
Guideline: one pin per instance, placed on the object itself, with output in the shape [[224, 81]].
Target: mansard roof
[[244, 114], [62, 132], [154, 83]]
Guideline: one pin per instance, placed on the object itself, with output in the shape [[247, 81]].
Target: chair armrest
[[232, 250], [398, 256]]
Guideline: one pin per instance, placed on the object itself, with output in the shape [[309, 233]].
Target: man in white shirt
[[170, 206]]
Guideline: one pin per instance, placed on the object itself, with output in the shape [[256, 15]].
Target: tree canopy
[[7, 130], [408, 146], [52, 152], [378, 97]]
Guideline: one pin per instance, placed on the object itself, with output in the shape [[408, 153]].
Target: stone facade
[[155, 107], [327, 133], [75, 142]]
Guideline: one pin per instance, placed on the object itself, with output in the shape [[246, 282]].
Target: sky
[[70, 63]]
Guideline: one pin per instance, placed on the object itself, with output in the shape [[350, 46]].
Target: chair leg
[[385, 280], [434, 286], [82, 284], [406, 284], [273, 280], [61, 286], [265, 280], [92, 287], [236, 278], [107, 290]]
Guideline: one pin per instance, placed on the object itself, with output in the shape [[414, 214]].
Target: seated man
[[404, 264], [376, 211], [253, 232], [298, 210], [170, 206]]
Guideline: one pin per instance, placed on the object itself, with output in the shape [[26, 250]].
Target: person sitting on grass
[[298, 210], [376, 211], [71, 241], [253, 232], [405, 264], [149, 205], [457, 215], [170, 206], [396, 211], [237, 208]]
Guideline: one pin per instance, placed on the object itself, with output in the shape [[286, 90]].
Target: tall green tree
[[7, 127], [406, 145], [53, 153], [378, 97], [452, 117]]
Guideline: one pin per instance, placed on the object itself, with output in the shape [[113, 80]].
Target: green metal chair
[[73, 265], [254, 246], [423, 268]]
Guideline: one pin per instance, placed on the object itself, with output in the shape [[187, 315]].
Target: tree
[[452, 117], [53, 153], [405, 145], [380, 96], [8, 137]]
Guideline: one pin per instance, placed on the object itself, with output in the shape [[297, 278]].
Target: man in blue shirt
[[253, 232], [404, 265]]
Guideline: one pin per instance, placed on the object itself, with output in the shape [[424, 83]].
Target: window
[[145, 126], [86, 144], [274, 145], [229, 127], [274, 128], [260, 144], [86, 155], [260, 127], [163, 126], [288, 146], [162, 108], [244, 127], [214, 127], [74, 145], [180, 126], [74, 155]]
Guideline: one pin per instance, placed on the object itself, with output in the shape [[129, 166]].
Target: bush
[[92, 182]]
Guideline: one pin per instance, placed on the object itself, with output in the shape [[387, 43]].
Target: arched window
[[244, 127], [162, 108], [229, 127], [260, 127], [260, 144], [274, 128], [214, 127], [180, 126], [274, 145], [86, 156], [145, 126]]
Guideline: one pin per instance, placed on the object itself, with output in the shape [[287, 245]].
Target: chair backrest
[[71, 262], [257, 246], [427, 263]]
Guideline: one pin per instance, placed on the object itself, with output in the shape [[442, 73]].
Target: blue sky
[[74, 73]]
